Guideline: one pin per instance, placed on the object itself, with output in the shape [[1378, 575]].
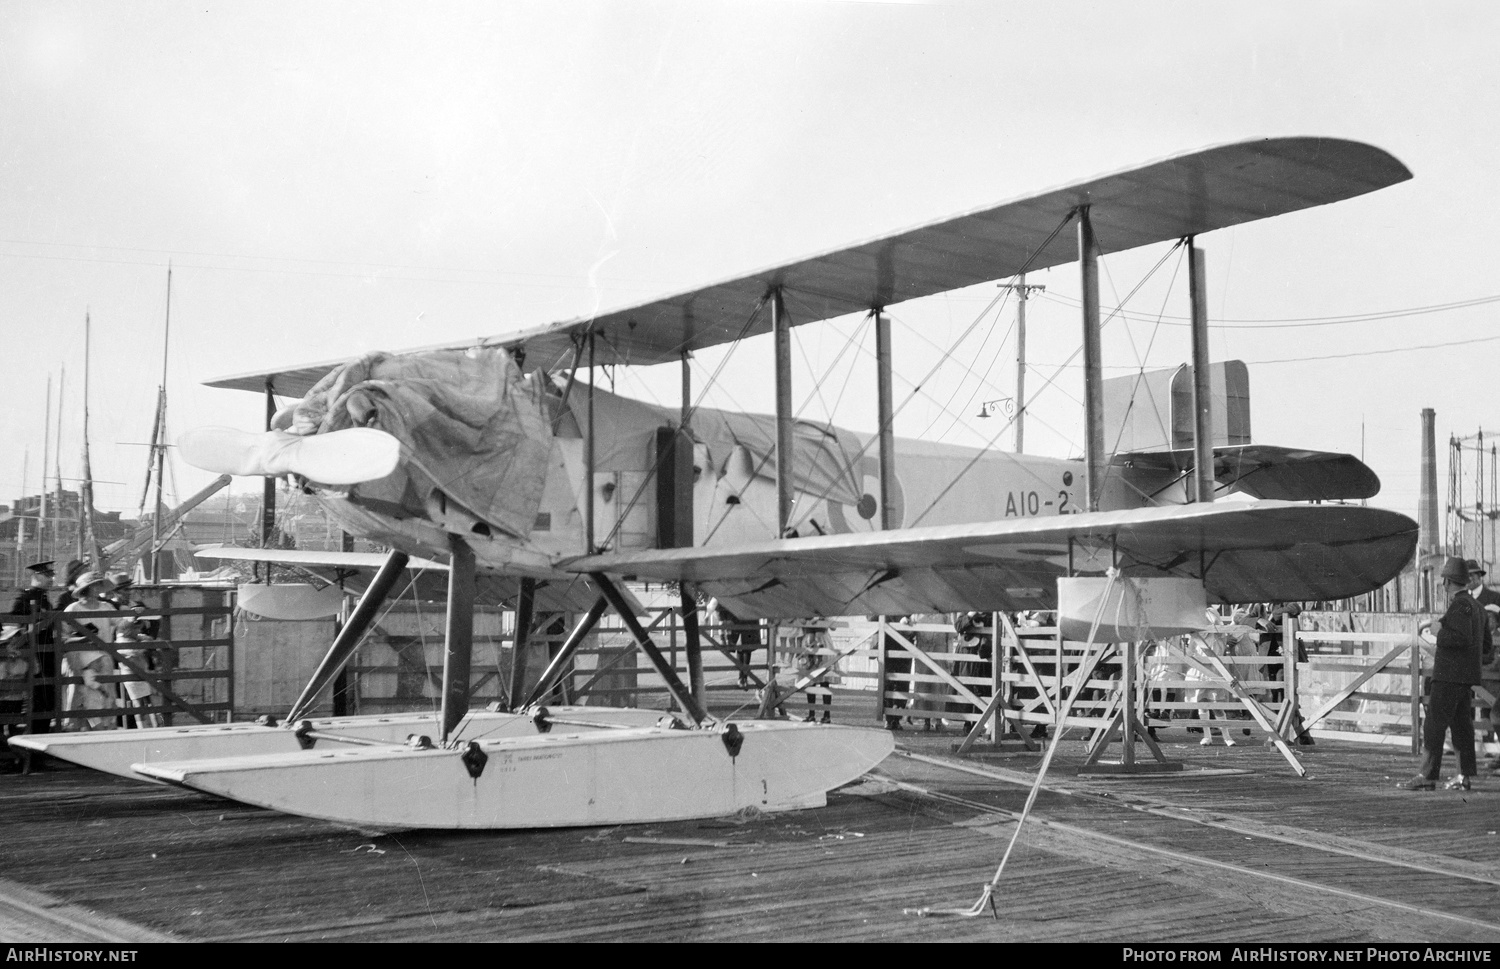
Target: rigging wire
[[943, 359], [817, 391], [1057, 372], [692, 410], [765, 459], [1181, 248]]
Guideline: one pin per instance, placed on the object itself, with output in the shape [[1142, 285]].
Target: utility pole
[[1023, 292]]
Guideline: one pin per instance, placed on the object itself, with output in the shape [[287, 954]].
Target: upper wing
[[1264, 471], [1269, 551], [1187, 194]]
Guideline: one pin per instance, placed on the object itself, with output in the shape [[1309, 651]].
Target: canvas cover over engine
[[473, 431]]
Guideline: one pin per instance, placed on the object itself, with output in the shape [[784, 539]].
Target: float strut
[[458, 645], [525, 606], [554, 669], [680, 693], [348, 638]]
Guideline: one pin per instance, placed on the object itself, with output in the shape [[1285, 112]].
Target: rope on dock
[[987, 893]]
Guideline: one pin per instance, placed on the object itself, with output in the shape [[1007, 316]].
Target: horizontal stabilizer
[[1264, 471]]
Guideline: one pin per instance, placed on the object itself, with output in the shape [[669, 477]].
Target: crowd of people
[[92, 647]]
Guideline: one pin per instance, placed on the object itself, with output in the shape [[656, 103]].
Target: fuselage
[[638, 479]]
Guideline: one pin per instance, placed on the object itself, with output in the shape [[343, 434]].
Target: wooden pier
[[1235, 848]]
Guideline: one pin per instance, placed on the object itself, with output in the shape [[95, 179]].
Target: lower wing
[[1252, 552], [427, 578]]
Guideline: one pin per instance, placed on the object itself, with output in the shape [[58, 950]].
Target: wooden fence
[[1368, 684], [185, 675], [1363, 682]]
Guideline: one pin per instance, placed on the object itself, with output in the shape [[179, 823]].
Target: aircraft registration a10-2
[[544, 491]]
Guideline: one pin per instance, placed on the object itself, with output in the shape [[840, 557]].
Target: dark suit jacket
[[1459, 638]]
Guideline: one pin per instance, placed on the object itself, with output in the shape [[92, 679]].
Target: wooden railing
[[1369, 685], [183, 677]]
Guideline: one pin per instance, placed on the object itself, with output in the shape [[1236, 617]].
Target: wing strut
[[1093, 385], [1203, 445], [886, 417], [680, 693], [785, 433], [268, 487], [588, 458], [350, 635]]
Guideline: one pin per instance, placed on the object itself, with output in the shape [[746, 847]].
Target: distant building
[[227, 518], [25, 537]]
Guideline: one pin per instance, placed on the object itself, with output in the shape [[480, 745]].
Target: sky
[[329, 178]]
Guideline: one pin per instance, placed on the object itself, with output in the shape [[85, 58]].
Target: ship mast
[[88, 541], [57, 503], [41, 512], [158, 437]]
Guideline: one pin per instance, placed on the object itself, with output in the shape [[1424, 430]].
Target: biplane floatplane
[[544, 491]]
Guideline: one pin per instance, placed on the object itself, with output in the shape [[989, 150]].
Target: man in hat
[[1489, 601], [1478, 591], [74, 569], [120, 596], [1489, 604], [32, 601], [1455, 673]]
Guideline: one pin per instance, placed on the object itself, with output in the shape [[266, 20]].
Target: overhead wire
[[1376, 353], [969, 370], [1031, 368], [1240, 323]]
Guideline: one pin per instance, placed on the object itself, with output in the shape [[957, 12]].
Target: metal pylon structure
[[1473, 497]]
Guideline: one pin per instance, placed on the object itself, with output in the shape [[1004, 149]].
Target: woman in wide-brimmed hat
[[84, 659]]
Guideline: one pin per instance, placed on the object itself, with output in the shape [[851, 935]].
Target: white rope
[[987, 895]]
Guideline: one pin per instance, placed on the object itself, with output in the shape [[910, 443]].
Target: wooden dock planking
[[198, 868]]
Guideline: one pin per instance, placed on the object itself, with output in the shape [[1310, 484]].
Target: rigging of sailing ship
[[89, 549]]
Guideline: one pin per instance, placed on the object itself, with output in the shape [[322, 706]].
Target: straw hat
[[83, 582]]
